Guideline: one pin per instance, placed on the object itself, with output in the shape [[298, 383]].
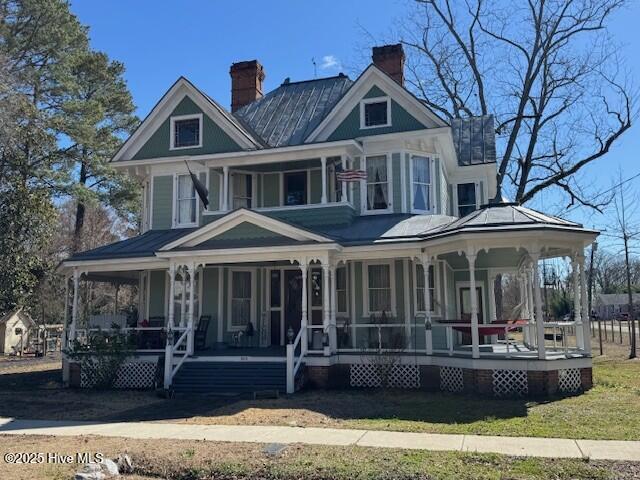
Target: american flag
[[351, 175]]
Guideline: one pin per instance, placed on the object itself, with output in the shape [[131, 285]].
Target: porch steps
[[230, 377]]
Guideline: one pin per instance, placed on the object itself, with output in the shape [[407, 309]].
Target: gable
[[247, 230], [408, 113], [401, 120], [214, 138]]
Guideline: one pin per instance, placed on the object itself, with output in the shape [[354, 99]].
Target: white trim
[[365, 286], [366, 101], [370, 77], [252, 303], [364, 185], [172, 130], [236, 217]]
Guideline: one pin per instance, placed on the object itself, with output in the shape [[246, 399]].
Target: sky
[[160, 40]]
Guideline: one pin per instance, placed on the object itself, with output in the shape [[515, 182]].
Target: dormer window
[[375, 112], [186, 131]]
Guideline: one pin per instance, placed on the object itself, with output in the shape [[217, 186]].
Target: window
[[375, 112], [420, 288], [377, 183], [379, 288], [420, 183], [341, 290], [186, 201], [242, 190], [295, 188], [186, 131], [241, 298], [466, 198]]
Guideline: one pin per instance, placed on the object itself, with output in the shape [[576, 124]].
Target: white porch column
[[538, 300], [333, 333], [475, 335], [326, 304], [586, 314], [323, 163], [170, 317], [74, 308], [577, 313], [304, 339], [192, 288], [343, 185], [183, 297], [493, 314], [225, 188], [65, 320], [428, 333]]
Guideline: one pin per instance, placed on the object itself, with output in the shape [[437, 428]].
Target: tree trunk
[[80, 213], [632, 340]]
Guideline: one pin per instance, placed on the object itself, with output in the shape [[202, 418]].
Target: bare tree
[[547, 69]]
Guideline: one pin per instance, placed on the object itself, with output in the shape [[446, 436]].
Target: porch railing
[[143, 339], [293, 363]]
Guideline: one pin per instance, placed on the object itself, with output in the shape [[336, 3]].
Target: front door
[[292, 301]]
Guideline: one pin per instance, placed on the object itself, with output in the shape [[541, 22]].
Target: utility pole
[[632, 340], [594, 247]]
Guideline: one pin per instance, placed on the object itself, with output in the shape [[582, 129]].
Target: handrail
[[292, 365], [169, 369]]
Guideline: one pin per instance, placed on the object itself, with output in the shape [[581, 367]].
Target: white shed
[[15, 327]]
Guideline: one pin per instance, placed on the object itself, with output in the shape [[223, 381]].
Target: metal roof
[[474, 139], [144, 245], [503, 215], [286, 115]]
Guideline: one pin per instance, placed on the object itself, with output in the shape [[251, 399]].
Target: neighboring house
[[15, 328], [302, 270], [613, 305]]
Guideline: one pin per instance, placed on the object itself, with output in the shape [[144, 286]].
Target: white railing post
[[74, 308], [577, 313], [326, 306], [190, 322], [323, 164], [535, 256], [333, 333], [290, 367], [586, 314], [475, 335], [225, 188], [428, 334]]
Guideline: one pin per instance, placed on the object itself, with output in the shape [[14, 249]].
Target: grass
[[193, 460], [611, 410]]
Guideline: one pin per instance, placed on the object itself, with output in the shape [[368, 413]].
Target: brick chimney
[[390, 59], [246, 83]]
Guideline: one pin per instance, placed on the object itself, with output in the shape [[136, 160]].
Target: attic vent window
[[375, 112], [186, 131]]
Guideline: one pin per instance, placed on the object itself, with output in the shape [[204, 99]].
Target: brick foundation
[[586, 375]]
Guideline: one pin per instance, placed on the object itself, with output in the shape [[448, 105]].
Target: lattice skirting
[[131, 375], [508, 383], [391, 376], [451, 379], [569, 380]]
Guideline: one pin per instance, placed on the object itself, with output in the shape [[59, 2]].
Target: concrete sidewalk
[[518, 446]]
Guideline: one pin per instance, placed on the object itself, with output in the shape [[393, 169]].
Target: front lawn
[[194, 460], [611, 410]]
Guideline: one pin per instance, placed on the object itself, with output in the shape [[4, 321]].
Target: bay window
[[377, 186]]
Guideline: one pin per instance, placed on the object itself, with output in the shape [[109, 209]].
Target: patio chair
[[200, 335]]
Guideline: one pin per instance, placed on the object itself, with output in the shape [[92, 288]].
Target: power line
[[607, 191]]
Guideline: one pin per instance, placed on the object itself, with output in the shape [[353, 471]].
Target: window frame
[[342, 313], [176, 211], [364, 186], [476, 186], [431, 163], [253, 299], [366, 101], [365, 286], [436, 290], [172, 130]]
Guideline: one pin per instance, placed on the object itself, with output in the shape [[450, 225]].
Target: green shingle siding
[[396, 173], [315, 186], [310, 217], [214, 139], [400, 313], [157, 299], [271, 189], [162, 202], [401, 121], [246, 230], [215, 184]]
